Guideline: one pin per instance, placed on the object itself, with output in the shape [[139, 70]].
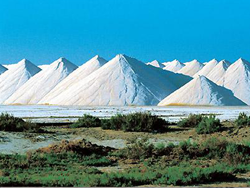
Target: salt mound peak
[[194, 60], [207, 68], [77, 76], [173, 66], [174, 61], [121, 81], [96, 60], [191, 68], [15, 77], [218, 71], [2, 69], [201, 91], [42, 83], [64, 62], [155, 63], [237, 79], [26, 64]]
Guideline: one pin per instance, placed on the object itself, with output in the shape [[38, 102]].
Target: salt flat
[[59, 114]]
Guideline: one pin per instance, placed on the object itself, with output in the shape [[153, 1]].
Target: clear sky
[[44, 30]]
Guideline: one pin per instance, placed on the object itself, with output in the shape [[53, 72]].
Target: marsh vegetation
[[200, 158]]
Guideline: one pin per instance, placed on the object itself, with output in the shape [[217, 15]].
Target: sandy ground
[[11, 143]]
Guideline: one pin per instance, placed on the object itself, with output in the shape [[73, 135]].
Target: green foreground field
[[179, 156]]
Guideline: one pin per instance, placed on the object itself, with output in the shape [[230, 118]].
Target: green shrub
[[74, 169], [139, 149], [209, 125], [105, 124], [116, 122], [212, 148], [191, 121], [231, 153], [87, 121], [11, 123], [191, 176], [137, 122], [243, 120]]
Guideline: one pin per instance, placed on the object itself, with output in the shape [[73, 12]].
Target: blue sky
[[44, 30]]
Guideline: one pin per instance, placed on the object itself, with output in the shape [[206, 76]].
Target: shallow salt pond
[[59, 114]]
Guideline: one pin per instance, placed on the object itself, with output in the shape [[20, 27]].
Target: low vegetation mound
[[81, 147], [10, 123], [212, 148], [209, 124], [182, 176], [136, 122], [203, 124], [243, 120], [87, 121], [191, 121]]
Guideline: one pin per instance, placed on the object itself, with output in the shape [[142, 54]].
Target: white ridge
[[9, 66], [207, 68], [173, 66], [15, 77], [237, 79], [191, 68], [122, 81], [201, 91], [42, 83], [218, 71], [75, 77], [43, 66], [155, 63]]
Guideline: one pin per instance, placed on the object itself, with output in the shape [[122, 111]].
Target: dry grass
[[82, 147]]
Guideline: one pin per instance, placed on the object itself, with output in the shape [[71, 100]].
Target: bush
[[243, 120], [87, 121], [212, 148], [209, 125], [139, 149], [230, 152], [115, 122], [191, 121], [137, 122], [11, 123]]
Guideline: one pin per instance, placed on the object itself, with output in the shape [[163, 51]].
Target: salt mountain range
[[126, 81]]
